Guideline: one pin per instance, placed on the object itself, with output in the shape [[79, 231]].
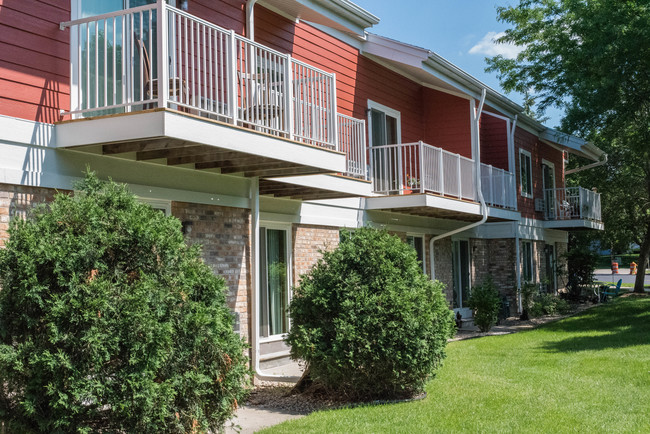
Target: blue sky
[[458, 30]]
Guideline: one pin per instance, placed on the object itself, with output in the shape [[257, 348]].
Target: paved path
[[251, 419]]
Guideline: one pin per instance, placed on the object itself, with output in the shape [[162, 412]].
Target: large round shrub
[[109, 322], [366, 319]]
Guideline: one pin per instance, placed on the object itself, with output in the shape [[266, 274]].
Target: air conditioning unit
[[539, 205]]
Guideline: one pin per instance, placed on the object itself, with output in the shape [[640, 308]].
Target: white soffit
[[330, 182], [341, 15], [572, 144]]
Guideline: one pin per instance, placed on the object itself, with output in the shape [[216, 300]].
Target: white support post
[[232, 76], [441, 167], [421, 163], [288, 115], [460, 178], [161, 37], [332, 114]]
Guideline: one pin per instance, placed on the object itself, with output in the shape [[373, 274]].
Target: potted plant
[[412, 184]]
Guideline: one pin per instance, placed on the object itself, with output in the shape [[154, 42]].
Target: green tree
[[591, 58], [110, 323]]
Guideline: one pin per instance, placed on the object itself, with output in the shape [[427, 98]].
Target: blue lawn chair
[[613, 293]]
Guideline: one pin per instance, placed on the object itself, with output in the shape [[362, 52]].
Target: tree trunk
[[643, 260]]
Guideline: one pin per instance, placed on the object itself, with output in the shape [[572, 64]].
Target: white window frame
[[531, 260], [288, 228], [424, 249], [373, 105], [161, 204], [530, 174]]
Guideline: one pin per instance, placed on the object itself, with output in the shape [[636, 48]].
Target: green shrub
[[484, 300], [548, 304], [109, 322], [368, 322], [527, 293]]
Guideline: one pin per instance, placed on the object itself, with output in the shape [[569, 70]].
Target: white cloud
[[489, 47]]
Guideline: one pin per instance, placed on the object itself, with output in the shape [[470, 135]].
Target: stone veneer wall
[[16, 200], [495, 257], [308, 242], [225, 235]]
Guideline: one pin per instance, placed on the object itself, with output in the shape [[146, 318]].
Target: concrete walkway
[[249, 420]]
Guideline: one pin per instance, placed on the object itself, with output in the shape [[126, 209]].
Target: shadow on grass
[[618, 324]]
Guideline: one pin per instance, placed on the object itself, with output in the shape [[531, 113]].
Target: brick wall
[[225, 236], [17, 200], [495, 257], [308, 242]]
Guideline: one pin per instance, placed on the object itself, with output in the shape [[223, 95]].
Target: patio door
[[274, 282], [384, 128], [550, 262], [461, 277], [548, 184]]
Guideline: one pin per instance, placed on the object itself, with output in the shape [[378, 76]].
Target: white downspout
[[516, 226], [476, 116], [250, 17], [588, 166], [255, 273]]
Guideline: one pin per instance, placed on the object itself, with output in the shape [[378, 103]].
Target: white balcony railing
[[159, 56], [572, 203], [352, 141], [422, 168]]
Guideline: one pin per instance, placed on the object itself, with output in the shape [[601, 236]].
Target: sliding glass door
[[274, 282]]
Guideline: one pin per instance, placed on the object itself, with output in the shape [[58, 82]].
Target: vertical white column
[[161, 40]]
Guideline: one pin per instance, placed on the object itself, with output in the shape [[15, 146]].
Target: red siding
[[539, 151], [34, 67], [229, 14], [447, 122], [494, 141]]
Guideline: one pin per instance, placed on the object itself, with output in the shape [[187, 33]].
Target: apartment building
[[268, 126]]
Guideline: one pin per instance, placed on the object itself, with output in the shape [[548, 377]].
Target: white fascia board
[[331, 183], [394, 50], [26, 132], [338, 14], [140, 126], [505, 214]]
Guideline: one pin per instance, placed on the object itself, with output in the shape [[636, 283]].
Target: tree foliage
[[592, 59], [109, 322], [368, 322]]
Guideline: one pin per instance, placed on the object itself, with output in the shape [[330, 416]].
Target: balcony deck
[[164, 84], [572, 208], [424, 180]]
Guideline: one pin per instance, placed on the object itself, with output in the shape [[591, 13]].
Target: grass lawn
[[587, 373]]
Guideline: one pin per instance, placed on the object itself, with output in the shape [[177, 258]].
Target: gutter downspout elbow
[[588, 166], [476, 116], [250, 17]]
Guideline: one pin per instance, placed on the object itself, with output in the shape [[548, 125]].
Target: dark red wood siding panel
[[229, 14], [494, 141], [539, 151], [447, 122], [34, 59]]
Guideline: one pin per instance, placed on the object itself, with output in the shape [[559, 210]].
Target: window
[[164, 206], [460, 267], [417, 242], [525, 173], [527, 258], [274, 283]]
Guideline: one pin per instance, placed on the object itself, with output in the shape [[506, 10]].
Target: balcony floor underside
[[173, 152], [301, 192]]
